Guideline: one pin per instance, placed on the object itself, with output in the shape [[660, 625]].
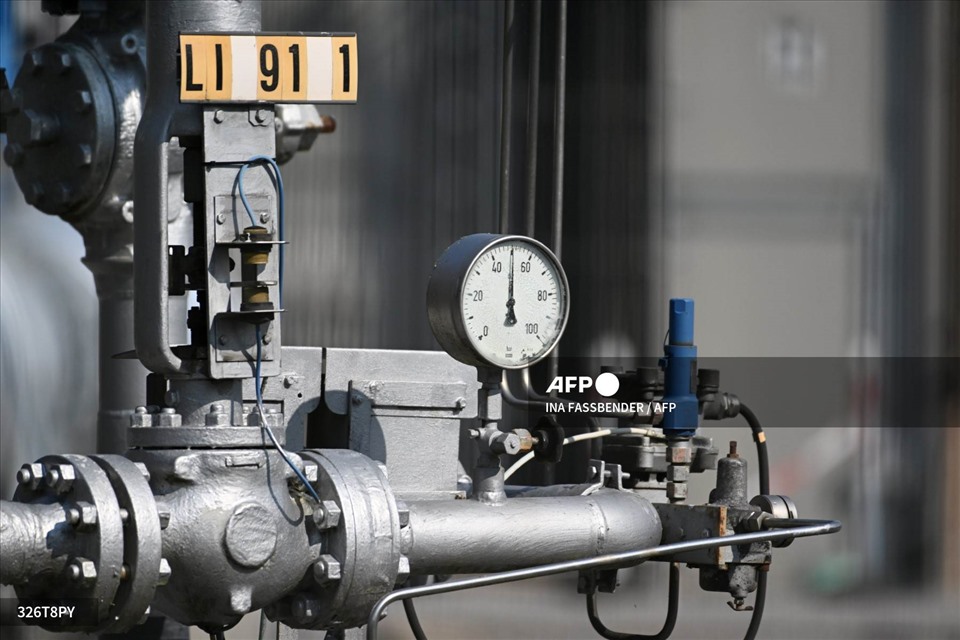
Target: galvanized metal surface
[[468, 536]]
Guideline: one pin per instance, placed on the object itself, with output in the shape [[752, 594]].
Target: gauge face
[[499, 301]]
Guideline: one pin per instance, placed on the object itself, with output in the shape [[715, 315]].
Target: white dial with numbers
[[512, 301]]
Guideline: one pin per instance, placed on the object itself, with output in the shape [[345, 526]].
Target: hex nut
[[31, 475], [60, 477], [677, 490], [83, 516], [679, 455], [169, 418], [163, 577], [403, 569], [164, 519], [326, 569], [141, 418], [330, 515], [678, 473], [217, 417], [404, 511], [311, 472], [83, 571]]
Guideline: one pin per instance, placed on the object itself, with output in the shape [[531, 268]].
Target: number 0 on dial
[[497, 300]]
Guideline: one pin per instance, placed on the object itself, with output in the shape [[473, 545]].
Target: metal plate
[[266, 67]]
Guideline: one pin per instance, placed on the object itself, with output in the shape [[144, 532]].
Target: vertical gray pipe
[[506, 108], [533, 119], [560, 111]]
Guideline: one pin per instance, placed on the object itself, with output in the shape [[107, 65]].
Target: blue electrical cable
[[246, 205], [259, 361], [266, 427]]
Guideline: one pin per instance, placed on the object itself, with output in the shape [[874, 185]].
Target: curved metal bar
[[612, 560], [673, 608]]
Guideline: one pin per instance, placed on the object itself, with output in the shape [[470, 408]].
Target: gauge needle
[[511, 318]]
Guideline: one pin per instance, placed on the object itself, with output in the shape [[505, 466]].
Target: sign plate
[[268, 67]]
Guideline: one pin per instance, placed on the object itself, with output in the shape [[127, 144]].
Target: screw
[[264, 217], [218, 116], [461, 404], [733, 450], [260, 116], [221, 218], [124, 515]]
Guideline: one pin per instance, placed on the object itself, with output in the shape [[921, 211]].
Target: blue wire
[[257, 374], [266, 427], [246, 205]]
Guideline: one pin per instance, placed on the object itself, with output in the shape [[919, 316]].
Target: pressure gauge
[[498, 300]]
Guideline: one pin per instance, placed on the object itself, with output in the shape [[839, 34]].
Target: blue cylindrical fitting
[[679, 367], [681, 321]]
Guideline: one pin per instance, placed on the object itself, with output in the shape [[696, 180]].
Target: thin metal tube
[[673, 609], [533, 119], [560, 111], [612, 560], [506, 104]]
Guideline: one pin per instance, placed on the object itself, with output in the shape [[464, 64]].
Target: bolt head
[[31, 475], [164, 574], [461, 404], [404, 512], [83, 516], [326, 569], [83, 571], [264, 217], [218, 116], [60, 477], [84, 156], [62, 62], [260, 116], [82, 101]]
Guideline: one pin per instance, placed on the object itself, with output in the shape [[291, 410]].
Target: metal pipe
[[467, 536], [533, 119], [673, 608], [611, 560], [31, 537], [165, 117], [560, 110], [506, 103]]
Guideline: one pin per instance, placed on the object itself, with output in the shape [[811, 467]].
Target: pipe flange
[[361, 554], [91, 536], [141, 541]]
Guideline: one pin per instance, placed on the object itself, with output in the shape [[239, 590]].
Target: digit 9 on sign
[[281, 68]]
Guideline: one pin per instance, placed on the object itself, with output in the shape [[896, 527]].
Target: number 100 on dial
[[268, 67]]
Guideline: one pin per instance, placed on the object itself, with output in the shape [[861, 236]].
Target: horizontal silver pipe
[[611, 560], [32, 538], [467, 536]]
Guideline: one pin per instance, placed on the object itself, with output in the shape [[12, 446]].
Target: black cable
[[761, 439], [673, 608], [217, 636], [763, 461], [413, 619]]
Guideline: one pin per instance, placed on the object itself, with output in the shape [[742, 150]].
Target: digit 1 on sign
[[344, 50], [293, 68], [219, 68]]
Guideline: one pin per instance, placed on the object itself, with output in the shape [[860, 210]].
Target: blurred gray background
[[793, 166]]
